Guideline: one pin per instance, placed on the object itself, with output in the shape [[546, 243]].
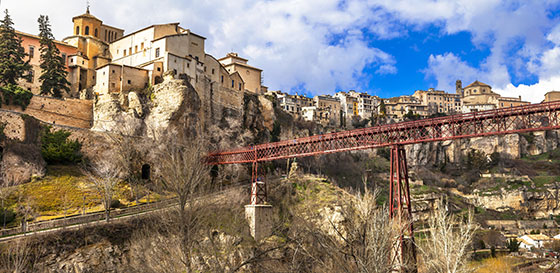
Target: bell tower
[[87, 25], [459, 88]]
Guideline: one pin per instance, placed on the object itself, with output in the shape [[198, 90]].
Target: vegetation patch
[[56, 148], [15, 95]]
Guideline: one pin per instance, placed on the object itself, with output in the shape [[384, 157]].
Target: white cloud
[[448, 68], [322, 45]]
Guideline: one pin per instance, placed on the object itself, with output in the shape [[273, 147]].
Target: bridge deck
[[534, 117]]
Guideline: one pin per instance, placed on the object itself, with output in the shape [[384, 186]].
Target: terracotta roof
[[86, 15], [245, 65], [538, 237], [477, 83], [39, 38]]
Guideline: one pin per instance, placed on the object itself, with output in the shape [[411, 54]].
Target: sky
[[383, 47]]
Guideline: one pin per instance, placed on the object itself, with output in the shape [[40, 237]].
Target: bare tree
[[6, 188], [182, 170], [103, 175], [449, 237], [366, 240], [128, 155], [15, 256]]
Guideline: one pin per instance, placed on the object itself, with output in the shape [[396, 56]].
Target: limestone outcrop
[[509, 146]]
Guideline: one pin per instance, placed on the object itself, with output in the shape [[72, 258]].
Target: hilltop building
[[438, 101], [479, 96], [367, 104], [250, 75], [91, 38], [31, 45], [399, 106], [551, 96]]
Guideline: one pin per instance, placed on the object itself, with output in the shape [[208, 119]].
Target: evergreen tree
[[53, 75], [12, 54]]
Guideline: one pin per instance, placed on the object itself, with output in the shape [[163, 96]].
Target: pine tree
[[12, 54], [53, 75]]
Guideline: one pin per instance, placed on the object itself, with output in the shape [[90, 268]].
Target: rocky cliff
[[512, 146]]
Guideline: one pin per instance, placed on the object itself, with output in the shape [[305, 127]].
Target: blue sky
[[383, 47]]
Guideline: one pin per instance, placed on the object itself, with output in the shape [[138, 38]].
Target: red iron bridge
[[527, 118]]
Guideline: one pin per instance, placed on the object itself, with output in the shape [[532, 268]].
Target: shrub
[[115, 204], [2, 127], [513, 245], [56, 148], [9, 214], [16, 95]]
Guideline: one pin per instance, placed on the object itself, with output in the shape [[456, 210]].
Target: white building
[[532, 241]]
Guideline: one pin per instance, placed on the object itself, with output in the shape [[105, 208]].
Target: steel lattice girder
[[534, 117]]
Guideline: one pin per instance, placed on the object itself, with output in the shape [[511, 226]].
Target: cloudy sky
[[383, 47]]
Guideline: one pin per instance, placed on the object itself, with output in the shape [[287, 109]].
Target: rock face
[[509, 146], [20, 151], [21, 162]]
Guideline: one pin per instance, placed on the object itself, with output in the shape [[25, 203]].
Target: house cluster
[[102, 59], [345, 106]]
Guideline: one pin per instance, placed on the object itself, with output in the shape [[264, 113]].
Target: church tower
[[459, 88], [87, 25]]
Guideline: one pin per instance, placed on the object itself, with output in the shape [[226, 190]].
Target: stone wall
[[69, 112]]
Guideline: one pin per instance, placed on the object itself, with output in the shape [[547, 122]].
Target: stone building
[[366, 104], [348, 105], [31, 45], [552, 96], [91, 38], [293, 104], [481, 94], [438, 101], [328, 110], [250, 75], [399, 106], [140, 59]]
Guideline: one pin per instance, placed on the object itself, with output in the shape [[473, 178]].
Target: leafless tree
[[366, 240], [449, 238], [6, 188], [182, 171], [103, 175], [15, 256], [128, 156]]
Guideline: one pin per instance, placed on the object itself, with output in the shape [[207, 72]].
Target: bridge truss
[[527, 118]]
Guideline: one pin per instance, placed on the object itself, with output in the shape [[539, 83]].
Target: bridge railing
[[533, 117]]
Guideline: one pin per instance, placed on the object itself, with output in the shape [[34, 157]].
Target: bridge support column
[[258, 213], [400, 208]]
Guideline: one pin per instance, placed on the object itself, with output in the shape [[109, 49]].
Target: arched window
[[95, 33], [87, 31], [77, 30]]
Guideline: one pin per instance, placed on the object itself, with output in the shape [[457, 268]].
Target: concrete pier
[[260, 220]]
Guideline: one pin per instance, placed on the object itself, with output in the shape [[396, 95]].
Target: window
[[222, 79], [130, 51], [188, 65], [87, 30], [31, 52], [105, 35], [113, 85], [135, 49], [128, 81], [159, 69], [239, 86], [31, 76], [95, 33], [232, 83], [213, 71], [113, 71], [157, 52], [103, 73], [77, 30], [124, 52], [142, 45]]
